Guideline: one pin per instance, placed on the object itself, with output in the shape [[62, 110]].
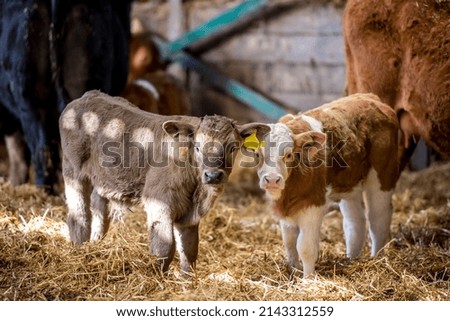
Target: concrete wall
[[295, 57]]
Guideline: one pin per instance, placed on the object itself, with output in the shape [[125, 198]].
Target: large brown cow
[[124, 155], [400, 50]]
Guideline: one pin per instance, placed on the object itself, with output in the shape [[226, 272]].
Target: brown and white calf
[[174, 166], [158, 93], [343, 151], [149, 85]]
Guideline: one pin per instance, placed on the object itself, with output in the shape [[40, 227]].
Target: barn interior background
[[294, 56]]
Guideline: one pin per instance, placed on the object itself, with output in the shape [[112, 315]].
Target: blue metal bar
[[230, 86], [214, 25], [173, 51]]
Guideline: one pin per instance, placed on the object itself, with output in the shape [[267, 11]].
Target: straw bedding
[[241, 255]]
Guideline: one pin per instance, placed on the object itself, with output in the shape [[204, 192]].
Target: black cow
[[51, 52]]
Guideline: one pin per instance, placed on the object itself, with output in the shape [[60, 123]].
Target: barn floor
[[241, 254]]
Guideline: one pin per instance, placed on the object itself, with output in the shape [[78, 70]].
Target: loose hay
[[241, 254]]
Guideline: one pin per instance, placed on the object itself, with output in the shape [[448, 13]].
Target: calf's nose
[[272, 180], [215, 177]]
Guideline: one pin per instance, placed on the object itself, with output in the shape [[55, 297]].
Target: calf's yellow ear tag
[[252, 142]]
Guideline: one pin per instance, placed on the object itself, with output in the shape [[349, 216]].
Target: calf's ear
[[286, 118], [176, 128], [310, 142], [260, 129]]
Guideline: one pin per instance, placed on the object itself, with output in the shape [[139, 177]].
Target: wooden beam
[[175, 28]]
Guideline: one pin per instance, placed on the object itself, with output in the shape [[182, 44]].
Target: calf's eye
[[289, 157], [233, 149]]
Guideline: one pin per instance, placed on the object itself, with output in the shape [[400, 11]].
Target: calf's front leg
[[160, 226], [309, 222], [79, 216], [289, 233], [354, 223], [100, 216], [187, 245]]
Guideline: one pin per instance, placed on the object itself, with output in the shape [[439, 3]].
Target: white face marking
[[201, 140], [314, 123], [114, 129], [69, 119], [272, 169], [148, 86], [90, 122]]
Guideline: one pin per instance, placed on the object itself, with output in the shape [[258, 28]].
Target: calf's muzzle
[[272, 181], [214, 177]]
